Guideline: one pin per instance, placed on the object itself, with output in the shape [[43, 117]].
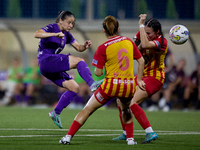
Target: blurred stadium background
[[19, 19]]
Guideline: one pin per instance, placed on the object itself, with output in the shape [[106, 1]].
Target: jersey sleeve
[[70, 38], [48, 28], [136, 52], [99, 58], [137, 37], [158, 41]]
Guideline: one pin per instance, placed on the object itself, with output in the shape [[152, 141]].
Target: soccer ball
[[178, 34]]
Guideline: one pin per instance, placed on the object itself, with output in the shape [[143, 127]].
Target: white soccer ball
[[179, 34]]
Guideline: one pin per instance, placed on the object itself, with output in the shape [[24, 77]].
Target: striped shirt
[[117, 55], [154, 59]]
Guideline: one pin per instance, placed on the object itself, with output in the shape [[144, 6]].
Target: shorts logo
[[99, 97]]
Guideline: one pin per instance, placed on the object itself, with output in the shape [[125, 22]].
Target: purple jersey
[[52, 64], [53, 45]]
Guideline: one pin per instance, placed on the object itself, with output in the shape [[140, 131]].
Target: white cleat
[[153, 108], [166, 108], [130, 141], [65, 140]]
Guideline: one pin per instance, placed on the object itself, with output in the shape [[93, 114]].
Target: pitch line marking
[[196, 133], [98, 130]]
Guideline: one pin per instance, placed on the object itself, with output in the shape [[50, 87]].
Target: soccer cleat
[[130, 141], [56, 118], [149, 137], [166, 108], [121, 137], [153, 108], [95, 85], [65, 140]]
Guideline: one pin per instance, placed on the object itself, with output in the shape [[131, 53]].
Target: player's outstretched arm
[[42, 34]]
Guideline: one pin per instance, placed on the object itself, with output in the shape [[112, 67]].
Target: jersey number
[[123, 58]]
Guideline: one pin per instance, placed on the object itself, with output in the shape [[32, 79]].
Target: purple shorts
[[54, 67]]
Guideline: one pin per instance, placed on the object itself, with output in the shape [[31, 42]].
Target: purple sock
[[84, 72], [64, 101], [59, 94], [78, 99], [26, 98], [18, 98]]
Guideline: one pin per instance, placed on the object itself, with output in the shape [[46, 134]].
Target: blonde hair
[[111, 25]]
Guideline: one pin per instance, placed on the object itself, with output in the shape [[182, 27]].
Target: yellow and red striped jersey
[[154, 59], [117, 55]]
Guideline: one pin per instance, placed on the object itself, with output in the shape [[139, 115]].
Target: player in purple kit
[[54, 65]]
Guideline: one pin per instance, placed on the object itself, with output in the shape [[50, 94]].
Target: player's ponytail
[[110, 25]]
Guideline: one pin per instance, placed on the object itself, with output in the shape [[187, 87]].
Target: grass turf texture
[[30, 128]]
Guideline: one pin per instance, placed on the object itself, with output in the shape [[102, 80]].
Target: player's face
[[151, 35], [67, 24]]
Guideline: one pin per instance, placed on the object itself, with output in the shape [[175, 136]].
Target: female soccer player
[[116, 55], [54, 65], [153, 46]]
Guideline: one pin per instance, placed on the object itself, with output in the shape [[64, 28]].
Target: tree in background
[[143, 8], [171, 10], [14, 8], [197, 12]]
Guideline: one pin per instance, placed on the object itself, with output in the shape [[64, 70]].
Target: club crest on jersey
[[115, 74], [62, 43]]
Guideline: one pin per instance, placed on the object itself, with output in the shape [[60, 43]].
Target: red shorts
[[103, 98], [152, 84]]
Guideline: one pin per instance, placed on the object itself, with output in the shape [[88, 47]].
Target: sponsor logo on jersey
[[115, 41], [116, 81]]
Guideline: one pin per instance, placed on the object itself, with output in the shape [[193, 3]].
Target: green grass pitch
[[32, 129]]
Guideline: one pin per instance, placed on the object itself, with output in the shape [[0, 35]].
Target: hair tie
[[61, 14]]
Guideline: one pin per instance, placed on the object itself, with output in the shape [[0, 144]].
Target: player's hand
[[141, 84], [88, 44], [142, 18], [60, 35]]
